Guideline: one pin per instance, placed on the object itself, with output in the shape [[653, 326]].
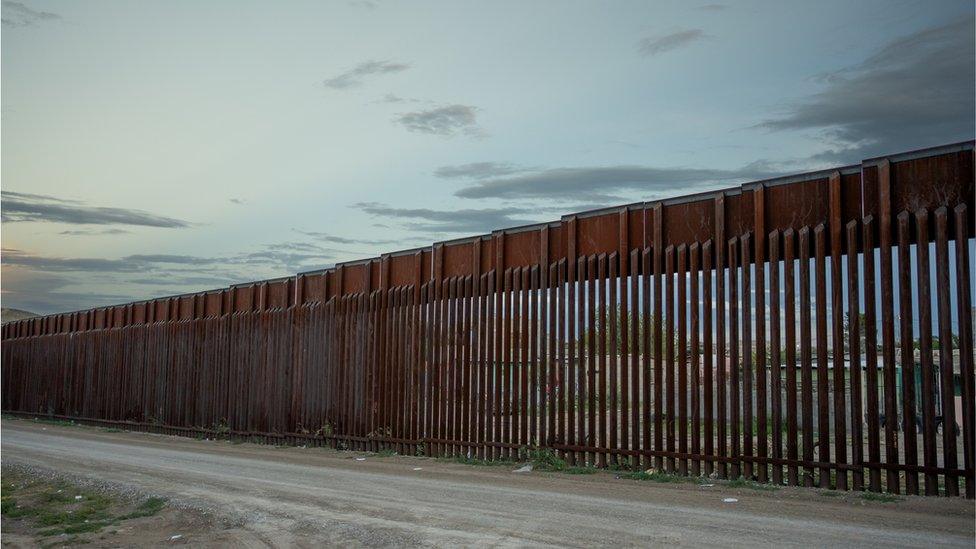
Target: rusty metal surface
[[699, 334]]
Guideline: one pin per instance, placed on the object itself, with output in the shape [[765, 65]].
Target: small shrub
[[221, 429], [546, 460]]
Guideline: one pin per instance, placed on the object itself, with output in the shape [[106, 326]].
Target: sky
[[158, 148]]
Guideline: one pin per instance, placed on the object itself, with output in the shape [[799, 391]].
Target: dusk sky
[[156, 148]]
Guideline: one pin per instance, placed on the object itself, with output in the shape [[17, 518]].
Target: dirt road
[[296, 496]]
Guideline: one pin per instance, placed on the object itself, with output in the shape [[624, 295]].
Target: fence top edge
[[957, 147]]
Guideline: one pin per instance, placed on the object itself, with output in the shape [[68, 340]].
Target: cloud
[[16, 14], [60, 264], [392, 98], [447, 121], [354, 76], [365, 4], [326, 237], [37, 197], [916, 91], [237, 201], [294, 256], [602, 183], [164, 274], [45, 293], [477, 170], [22, 207], [656, 45], [283, 256], [132, 263], [163, 258], [291, 261], [453, 221], [198, 281], [713, 7], [94, 232]]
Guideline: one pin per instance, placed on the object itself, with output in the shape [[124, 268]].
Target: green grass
[[658, 476], [580, 470], [57, 508], [743, 483], [619, 466], [465, 460], [831, 493], [147, 508], [880, 498], [51, 421], [385, 453], [10, 509]]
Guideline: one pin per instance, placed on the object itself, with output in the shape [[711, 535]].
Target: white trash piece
[[527, 468], [360, 459], [730, 500], [417, 468]]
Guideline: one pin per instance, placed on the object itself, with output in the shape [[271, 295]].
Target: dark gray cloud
[[282, 256], [61, 264], [94, 232], [164, 258], [448, 120], [453, 221], [713, 7], [478, 170], [46, 292], [164, 274], [38, 198], [237, 201], [44, 296], [354, 76], [128, 264], [915, 92], [20, 207], [603, 183], [656, 45], [16, 14]]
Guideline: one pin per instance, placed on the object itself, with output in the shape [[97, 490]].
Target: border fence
[[812, 330]]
